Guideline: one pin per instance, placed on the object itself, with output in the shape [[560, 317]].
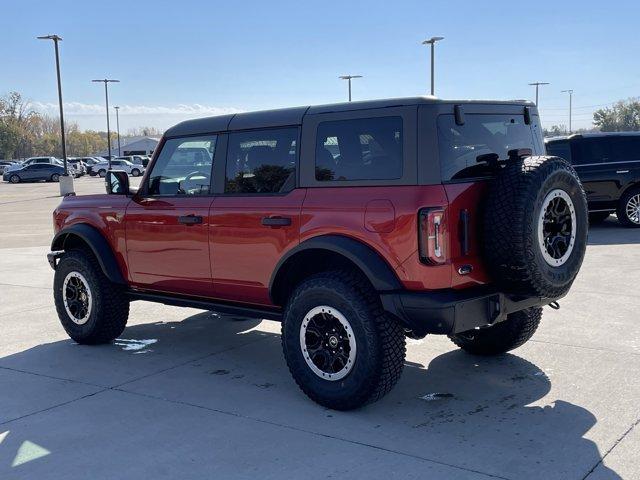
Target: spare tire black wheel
[[535, 226]]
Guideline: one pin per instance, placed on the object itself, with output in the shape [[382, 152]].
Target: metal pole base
[[66, 185]]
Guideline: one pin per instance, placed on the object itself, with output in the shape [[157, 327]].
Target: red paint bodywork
[[232, 255]]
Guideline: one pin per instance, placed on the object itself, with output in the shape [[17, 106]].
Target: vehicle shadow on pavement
[[610, 232], [487, 415]]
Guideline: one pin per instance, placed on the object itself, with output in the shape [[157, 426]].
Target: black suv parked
[[609, 166]]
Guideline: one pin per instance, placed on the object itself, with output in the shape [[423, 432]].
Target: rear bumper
[[448, 312]]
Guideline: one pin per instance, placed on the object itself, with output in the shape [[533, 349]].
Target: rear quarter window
[[560, 149]]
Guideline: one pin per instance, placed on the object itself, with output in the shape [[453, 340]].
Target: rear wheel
[[342, 349], [629, 209], [598, 217], [102, 173], [92, 309], [502, 337], [55, 177], [14, 179], [135, 172]]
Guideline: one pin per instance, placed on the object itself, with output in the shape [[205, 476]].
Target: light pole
[[348, 78], [66, 186], [118, 127], [432, 41], [537, 85], [570, 92], [106, 81]]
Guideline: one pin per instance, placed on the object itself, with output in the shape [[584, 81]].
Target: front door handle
[[276, 221], [190, 219]]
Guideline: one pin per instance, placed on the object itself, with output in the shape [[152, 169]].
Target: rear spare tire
[[535, 226]]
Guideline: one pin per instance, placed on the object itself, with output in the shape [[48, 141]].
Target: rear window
[[360, 149], [460, 145], [587, 151], [560, 149]]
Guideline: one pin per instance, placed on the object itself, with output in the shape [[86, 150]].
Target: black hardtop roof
[[592, 135], [293, 116]]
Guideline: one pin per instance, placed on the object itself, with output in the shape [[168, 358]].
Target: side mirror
[[117, 182]]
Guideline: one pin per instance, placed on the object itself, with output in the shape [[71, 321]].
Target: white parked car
[[132, 169]]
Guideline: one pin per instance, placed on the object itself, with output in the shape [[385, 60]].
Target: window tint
[[560, 149], [590, 150], [460, 145], [183, 167], [362, 149], [624, 149], [262, 161]]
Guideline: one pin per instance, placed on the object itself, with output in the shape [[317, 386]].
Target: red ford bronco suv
[[355, 224]]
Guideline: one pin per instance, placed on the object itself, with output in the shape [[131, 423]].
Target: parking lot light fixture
[[570, 92], [106, 82], [349, 78], [537, 85], [118, 128], [65, 186], [432, 42]]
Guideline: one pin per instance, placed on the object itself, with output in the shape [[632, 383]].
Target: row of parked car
[[51, 168]]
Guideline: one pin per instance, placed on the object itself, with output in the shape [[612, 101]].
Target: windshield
[[460, 145]]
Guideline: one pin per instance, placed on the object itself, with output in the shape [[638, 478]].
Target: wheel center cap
[[333, 341]]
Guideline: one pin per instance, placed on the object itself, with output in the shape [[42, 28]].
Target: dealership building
[[132, 146]]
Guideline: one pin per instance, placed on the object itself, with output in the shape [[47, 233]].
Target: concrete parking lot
[[192, 394]]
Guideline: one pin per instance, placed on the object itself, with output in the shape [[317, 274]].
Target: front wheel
[[91, 308], [135, 172], [102, 173], [342, 349], [55, 177], [14, 179], [502, 337], [629, 209]]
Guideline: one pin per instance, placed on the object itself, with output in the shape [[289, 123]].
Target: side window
[[262, 161], [183, 167], [361, 149], [625, 149], [590, 150]]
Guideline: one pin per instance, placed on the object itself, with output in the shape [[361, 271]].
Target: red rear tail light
[[431, 236]]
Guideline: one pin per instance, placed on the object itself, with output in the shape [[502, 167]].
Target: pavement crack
[[615, 444]]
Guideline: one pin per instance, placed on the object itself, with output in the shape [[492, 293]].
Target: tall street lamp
[[66, 185], [432, 41], [106, 81], [570, 92], [348, 78], [537, 85], [118, 127]]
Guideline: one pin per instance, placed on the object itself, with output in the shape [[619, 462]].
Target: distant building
[[132, 146]]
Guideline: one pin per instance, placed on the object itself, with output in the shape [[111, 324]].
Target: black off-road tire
[[512, 250], [502, 337], [110, 305], [380, 340], [598, 217], [621, 211]]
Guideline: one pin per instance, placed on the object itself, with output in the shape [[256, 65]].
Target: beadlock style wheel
[[328, 343], [632, 209], [556, 227], [77, 298]]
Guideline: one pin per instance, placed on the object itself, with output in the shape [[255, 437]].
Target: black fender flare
[[375, 268], [98, 244]]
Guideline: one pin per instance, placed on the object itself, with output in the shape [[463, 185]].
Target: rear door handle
[[276, 221], [622, 171], [190, 219]]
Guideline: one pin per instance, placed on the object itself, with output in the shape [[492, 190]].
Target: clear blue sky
[[193, 58]]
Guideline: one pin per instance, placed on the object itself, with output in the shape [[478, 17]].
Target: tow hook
[[555, 305]]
